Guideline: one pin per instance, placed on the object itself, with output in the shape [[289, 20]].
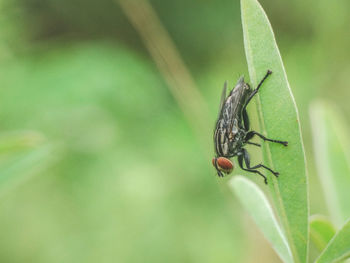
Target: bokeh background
[[99, 162]]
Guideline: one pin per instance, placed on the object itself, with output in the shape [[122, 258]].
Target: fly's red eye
[[224, 164]]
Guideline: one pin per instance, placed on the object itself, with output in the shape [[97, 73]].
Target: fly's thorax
[[237, 142]]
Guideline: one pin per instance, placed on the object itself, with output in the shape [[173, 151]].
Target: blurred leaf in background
[[123, 182]]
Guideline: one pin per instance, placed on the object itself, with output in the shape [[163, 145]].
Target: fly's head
[[222, 165]]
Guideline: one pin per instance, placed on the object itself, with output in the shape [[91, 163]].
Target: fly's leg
[[240, 162], [217, 169], [245, 118], [247, 163], [268, 73], [220, 173], [251, 134], [244, 110], [253, 143]]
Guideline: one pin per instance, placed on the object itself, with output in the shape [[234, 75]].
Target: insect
[[232, 131]]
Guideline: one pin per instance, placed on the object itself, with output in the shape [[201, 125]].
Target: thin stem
[[168, 60]]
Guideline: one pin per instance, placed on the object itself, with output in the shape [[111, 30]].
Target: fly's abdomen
[[221, 140]]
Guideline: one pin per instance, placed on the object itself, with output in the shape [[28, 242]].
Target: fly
[[232, 131]]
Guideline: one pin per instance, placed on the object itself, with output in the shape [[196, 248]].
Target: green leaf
[[257, 205], [321, 231], [278, 120], [331, 146], [338, 248]]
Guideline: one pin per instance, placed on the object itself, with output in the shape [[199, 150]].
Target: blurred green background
[[97, 161]]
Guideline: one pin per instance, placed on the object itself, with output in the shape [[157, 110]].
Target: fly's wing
[[230, 106], [223, 97], [222, 102], [232, 113], [233, 106], [219, 119]]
